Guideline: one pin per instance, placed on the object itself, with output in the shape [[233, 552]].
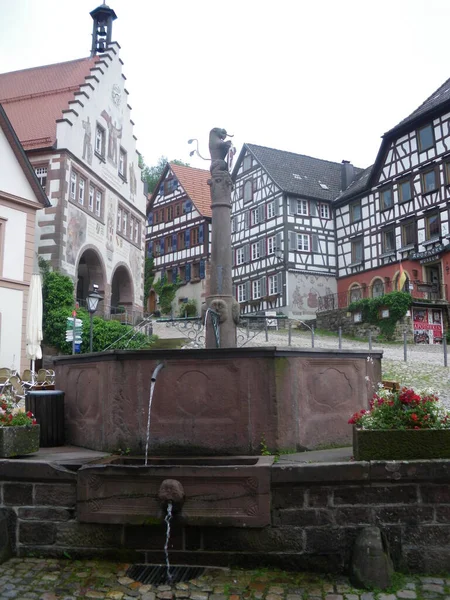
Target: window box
[[19, 441], [396, 444]]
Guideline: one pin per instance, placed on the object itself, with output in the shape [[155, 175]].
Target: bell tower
[[103, 18]]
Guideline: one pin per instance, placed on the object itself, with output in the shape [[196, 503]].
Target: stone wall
[[317, 512], [333, 319]]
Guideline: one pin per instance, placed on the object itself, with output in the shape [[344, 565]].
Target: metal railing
[[419, 290]]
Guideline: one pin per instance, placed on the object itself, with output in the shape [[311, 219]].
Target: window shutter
[[263, 286], [276, 206], [161, 189], [235, 220], [247, 290], [233, 257], [187, 238], [246, 219], [313, 208], [292, 206], [280, 283], [174, 274], [150, 218], [247, 253], [262, 248], [161, 246], [150, 249], [201, 230], [261, 213], [315, 242], [174, 242], [292, 240], [188, 272], [278, 241], [202, 269]]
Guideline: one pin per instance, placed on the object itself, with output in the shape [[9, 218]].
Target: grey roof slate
[[358, 185], [299, 174], [437, 98]]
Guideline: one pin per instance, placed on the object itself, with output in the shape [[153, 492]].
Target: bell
[[101, 47], [102, 32]]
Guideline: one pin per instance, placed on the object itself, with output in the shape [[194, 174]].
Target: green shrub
[[166, 292], [398, 304], [188, 309]]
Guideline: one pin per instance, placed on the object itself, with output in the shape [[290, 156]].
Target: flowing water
[[166, 545], [152, 389]]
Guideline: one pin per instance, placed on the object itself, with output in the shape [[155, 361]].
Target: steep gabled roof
[[22, 159], [195, 184], [35, 98], [296, 173]]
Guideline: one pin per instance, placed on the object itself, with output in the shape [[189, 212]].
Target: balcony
[[419, 290]]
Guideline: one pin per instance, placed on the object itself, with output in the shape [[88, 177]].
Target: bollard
[[370, 341], [312, 336], [267, 330], [405, 347], [340, 337], [444, 343], [289, 333]]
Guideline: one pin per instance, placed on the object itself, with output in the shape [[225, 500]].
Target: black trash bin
[[48, 408]]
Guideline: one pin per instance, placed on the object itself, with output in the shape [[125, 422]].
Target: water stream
[[167, 519], [152, 389]]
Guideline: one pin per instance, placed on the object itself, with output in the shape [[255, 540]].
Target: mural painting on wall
[[305, 296], [110, 220], [427, 323], [87, 143], [135, 265], [133, 182], [76, 233], [114, 134]]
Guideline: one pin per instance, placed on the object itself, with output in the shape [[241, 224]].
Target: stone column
[[220, 298]]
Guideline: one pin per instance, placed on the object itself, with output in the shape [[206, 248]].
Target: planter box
[[18, 441], [408, 444]]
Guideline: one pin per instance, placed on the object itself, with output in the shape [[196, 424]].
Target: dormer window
[[247, 163], [425, 137], [248, 191]]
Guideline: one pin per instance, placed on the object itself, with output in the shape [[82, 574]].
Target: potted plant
[[401, 424], [19, 432]]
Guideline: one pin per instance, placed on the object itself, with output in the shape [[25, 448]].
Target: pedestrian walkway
[[53, 579]]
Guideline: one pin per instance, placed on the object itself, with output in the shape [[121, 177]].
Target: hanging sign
[[430, 254]]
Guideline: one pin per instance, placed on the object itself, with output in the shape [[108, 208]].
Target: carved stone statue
[[219, 149]]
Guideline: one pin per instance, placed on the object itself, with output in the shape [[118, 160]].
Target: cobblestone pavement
[[52, 579]]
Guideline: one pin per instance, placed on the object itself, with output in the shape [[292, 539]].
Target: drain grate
[[157, 574]]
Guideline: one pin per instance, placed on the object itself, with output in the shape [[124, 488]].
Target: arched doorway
[[151, 302], [121, 289], [90, 271]]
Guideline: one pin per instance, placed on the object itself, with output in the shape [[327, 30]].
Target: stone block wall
[[333, 319], [317, 512]]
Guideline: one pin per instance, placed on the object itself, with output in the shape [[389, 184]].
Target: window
[[426, 138], [119, 219], [255, 251], [196, 271], [81, 191], [194, 236], [355, 293], [91, 197], [177, 210], [100, 141], [302, 242], [98, 203], [248, 191], [130, 235], [122, 163], [355, 212], [429, 181], [377, 288], [155, 217], [409, 233], [170, 213], [433, 227], [242, 296], [247, 163], [41, 174], [388, 240], [73, 185], [240, 256], [256, 289], [181, 240], [255, 216], [271, 210], [273, 285], [302, 207], [357, 251], [405, 191], [386, 199], [271, 245], [124, 222], [324, 211]]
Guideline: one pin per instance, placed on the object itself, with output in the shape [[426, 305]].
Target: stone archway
[[122, 293], [90, 271]]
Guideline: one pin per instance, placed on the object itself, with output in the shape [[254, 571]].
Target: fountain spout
[[171, 491], [156, 371], [152, 389]]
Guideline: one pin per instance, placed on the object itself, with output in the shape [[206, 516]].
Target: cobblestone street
[[51, 579]]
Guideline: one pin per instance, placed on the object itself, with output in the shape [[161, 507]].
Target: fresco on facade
[[114, 135], [76, 233], [87, 142], [110, 229], [133, 182], [305, 296], [135, 266]]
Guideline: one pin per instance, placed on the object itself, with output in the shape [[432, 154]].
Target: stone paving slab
[[53, 579]]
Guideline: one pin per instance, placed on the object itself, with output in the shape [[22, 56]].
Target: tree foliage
[[149, 275], [397, 302], [152, 174], [166, 292]]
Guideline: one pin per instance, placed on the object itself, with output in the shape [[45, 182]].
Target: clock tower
[[103, 18]]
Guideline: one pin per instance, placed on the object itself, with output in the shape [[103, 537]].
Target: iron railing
[[419, 290]]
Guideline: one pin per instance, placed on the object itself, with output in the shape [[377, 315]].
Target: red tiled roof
[[34, 98], [195, 184]]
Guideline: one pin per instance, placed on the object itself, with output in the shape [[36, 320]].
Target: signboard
[[428, 255], [427, 323], [271, 322]]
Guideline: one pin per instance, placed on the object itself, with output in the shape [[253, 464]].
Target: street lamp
[[92, 303]]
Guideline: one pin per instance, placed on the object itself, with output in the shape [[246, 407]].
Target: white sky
[[320, 77]]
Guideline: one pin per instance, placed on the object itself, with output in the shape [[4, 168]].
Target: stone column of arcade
[[220, 300]]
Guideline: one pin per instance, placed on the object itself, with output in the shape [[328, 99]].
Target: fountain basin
[[219, 491]]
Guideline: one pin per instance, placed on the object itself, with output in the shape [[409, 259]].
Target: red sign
[[74, 313]]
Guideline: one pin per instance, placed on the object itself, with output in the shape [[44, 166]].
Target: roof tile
[[195, 184]]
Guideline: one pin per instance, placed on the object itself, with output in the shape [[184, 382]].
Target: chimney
[[347, 174]]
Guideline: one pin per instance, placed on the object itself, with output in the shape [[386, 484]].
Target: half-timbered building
[[392, 225], [73, 120], [283, 238], [179, 233]]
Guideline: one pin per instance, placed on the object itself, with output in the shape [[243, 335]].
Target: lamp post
[[92, 303]]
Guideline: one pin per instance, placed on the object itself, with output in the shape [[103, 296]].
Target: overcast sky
[[324, 78]]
